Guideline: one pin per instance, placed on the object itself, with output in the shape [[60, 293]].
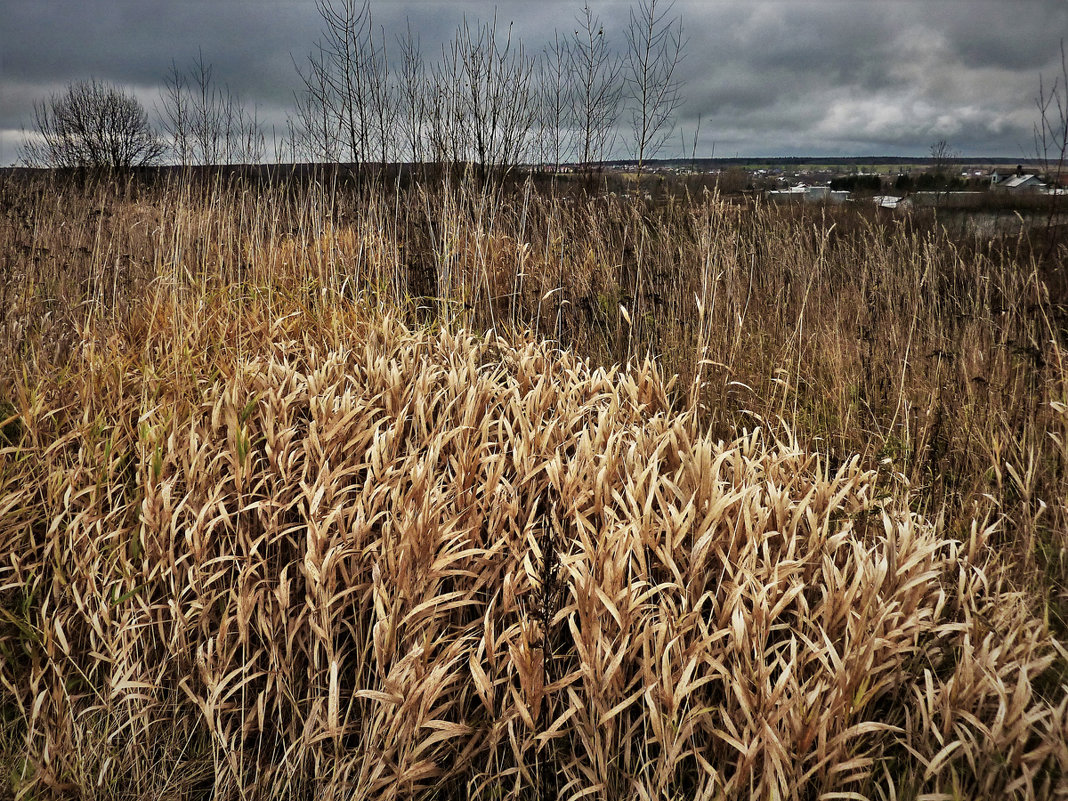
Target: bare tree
[[205, 122], [1051, 142], [1051, 128], [383, 94], [316, 129], [555, 89], [412, 101], [598, 87], [175, 115], [497, 93], [91, 124], [348, 109], [483, 103], [443, 108], [654, 51], [941, 156], [347, 25], [207, 112], [250, 144]]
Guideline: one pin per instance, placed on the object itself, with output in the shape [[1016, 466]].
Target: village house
[[1015, 181]]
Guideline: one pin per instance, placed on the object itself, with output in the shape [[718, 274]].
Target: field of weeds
[[311, 490]]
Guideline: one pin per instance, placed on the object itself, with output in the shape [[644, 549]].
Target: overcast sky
[[827, 77]]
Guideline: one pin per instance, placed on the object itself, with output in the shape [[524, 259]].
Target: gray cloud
[[789, 77]]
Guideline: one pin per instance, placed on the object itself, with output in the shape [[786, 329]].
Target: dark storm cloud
[[822, 44], [1014, 36], [134, 42], [890, 77], [837, 76]]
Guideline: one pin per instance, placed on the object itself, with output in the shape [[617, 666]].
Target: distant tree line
[[488, 101], [367, 98]]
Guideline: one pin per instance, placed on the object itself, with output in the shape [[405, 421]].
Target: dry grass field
[[324, 492]]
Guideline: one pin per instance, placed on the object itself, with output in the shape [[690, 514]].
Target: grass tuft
[[305, 496]]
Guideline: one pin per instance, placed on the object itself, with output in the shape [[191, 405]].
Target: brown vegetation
[[278, 518]]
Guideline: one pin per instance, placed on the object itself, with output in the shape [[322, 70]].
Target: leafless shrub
[[335, 108], [556, 85], [205, 122], [316, 128], [1051, 129], [598, 92], [1051, 141], [486, 99], [91, 124], [412, 91], [653, 89]]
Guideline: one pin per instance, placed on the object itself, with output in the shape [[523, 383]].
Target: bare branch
[[654, 91], [92, 124]]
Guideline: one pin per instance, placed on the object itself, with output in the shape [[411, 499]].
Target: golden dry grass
[[260, 537]]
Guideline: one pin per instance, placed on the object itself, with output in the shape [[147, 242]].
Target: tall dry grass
[[277, 519]]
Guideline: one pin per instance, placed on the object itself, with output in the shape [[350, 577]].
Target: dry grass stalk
[[258, 539], [321, 571]]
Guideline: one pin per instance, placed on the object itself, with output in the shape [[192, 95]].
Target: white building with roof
[[1016, 182], [809, 194]]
